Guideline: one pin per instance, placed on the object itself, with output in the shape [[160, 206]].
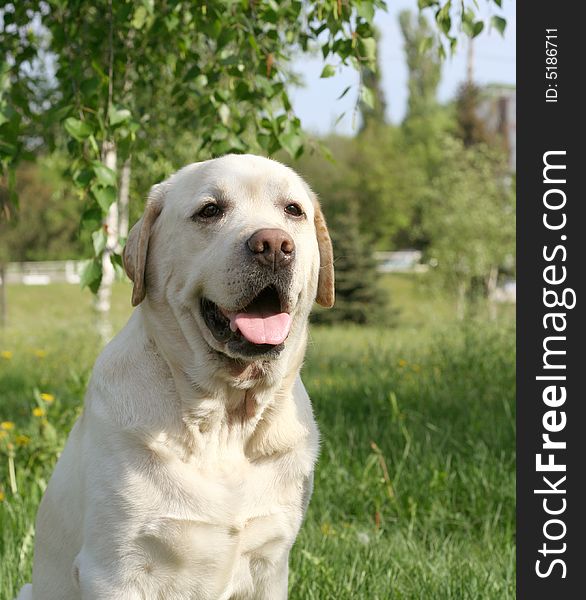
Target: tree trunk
[[111, 223], [470, 62], [123, 202]]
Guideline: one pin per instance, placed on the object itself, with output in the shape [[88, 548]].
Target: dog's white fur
[[188, 474]]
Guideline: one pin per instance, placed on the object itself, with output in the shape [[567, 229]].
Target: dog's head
[[237, 246]]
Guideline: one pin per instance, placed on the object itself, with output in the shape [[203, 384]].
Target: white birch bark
[[111, 223], [123, 202]]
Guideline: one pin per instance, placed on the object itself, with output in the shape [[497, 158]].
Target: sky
[[316, 103]]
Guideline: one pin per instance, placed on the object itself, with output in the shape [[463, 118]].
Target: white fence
[[68, 271], [44, 272], [400, 261]]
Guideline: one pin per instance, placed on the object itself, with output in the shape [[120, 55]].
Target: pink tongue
[[257, 329]]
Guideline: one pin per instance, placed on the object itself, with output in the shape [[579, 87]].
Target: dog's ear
[[325, 283], [135, 251]]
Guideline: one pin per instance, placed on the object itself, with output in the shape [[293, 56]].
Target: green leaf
[[367, 49], [224, 113], [471, 28], [139, 18], [265, 141], [56, 114], [116, 260], [346, 90], [201, 81], [91, 275], [104, 174], [291, 142], [105, 196], [478, 27], [80, 130], [99, 239], [118, 115], [91, 218], [253, 43], [443, 18], [94, 144], [328, 71], [89, 87], [365, 10], [8, 149], [82, 177], [367, 96], [499, 24]]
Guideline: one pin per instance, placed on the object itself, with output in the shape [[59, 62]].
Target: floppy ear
[[325, 283], [135, 251]]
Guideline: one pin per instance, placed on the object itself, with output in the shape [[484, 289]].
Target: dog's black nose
[[272, 248]]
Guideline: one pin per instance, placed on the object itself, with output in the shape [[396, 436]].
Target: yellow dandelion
[[3, 434], [22, 440], [48, 398], [6, 354], [2, 496], [40, 353], [416, 368], [7, 425], [38, 411], [402, 362]]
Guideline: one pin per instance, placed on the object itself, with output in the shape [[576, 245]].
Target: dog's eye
[[209, 211], [294, 210]]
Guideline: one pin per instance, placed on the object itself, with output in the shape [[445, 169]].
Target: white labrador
[[189, 472]]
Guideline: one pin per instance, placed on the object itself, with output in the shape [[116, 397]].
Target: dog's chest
[[218, 522]]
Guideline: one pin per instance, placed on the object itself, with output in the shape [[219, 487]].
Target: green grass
[[430, 403]]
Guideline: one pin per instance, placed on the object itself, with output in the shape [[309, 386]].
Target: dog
[[190, 470]]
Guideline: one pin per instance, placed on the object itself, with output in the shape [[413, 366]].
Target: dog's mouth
[[259, 327]]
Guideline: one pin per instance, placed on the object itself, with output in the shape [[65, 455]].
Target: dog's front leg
[[272, 581], [104, 580]]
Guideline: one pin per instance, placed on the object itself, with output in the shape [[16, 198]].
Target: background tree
[[359, 297], [423, 64], [470, 221], [389, 181], [471, 128], [373, 173], [46, 226], [372, 103]]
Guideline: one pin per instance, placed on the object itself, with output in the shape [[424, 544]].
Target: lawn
[[414, 490]]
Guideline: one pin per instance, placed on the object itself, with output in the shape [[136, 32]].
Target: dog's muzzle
[[259, 327]]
